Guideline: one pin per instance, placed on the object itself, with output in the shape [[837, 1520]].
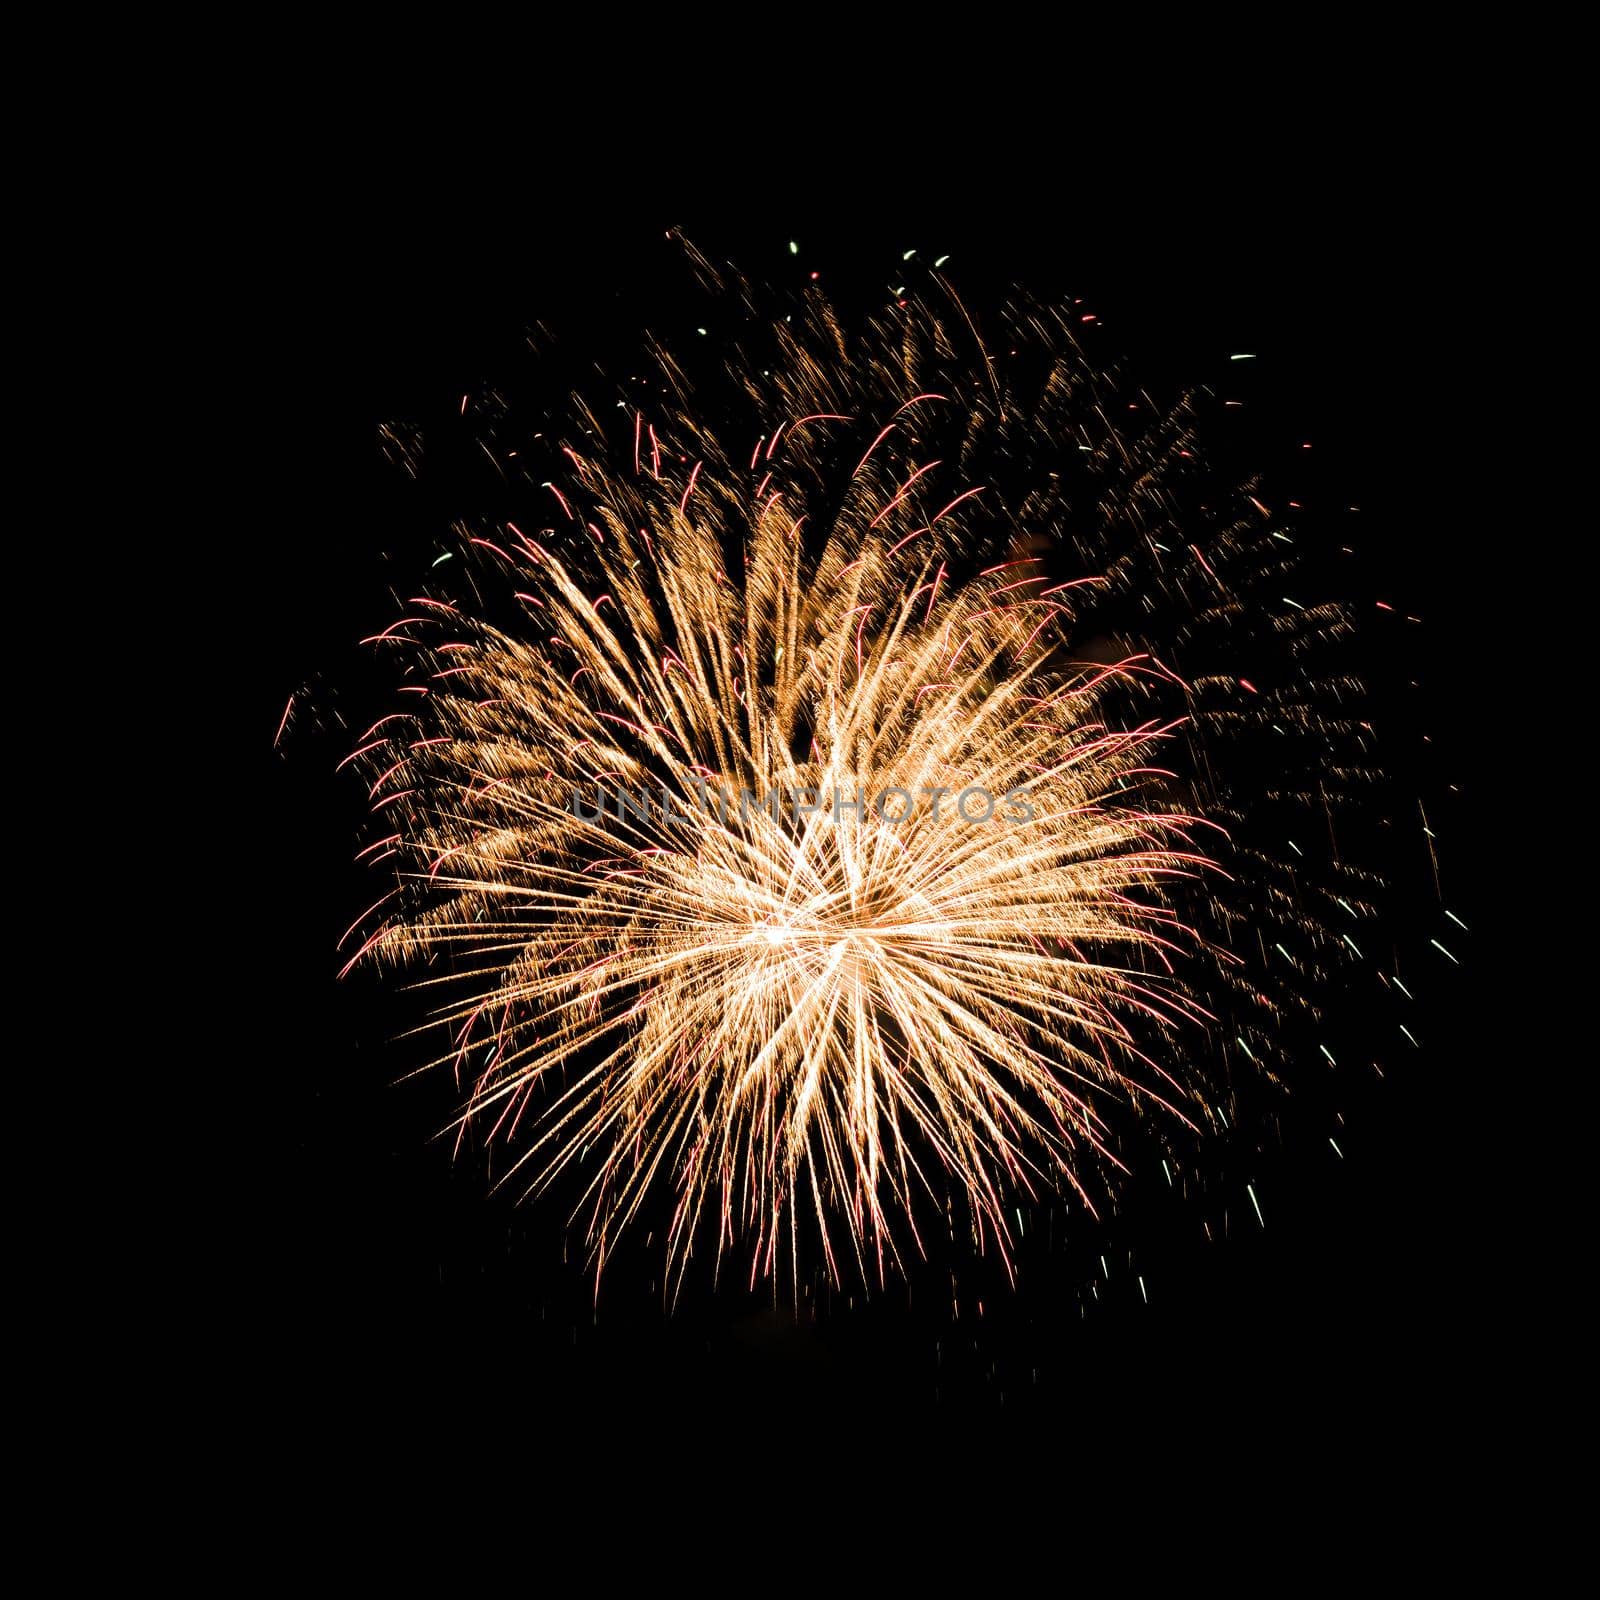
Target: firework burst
[[805, 847]]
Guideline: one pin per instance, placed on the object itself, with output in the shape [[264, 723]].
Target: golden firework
[[796, 874]]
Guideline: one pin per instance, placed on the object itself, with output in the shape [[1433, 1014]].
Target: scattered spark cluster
[[843, 562]]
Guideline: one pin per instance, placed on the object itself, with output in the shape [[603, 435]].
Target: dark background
[[369, 1276]]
